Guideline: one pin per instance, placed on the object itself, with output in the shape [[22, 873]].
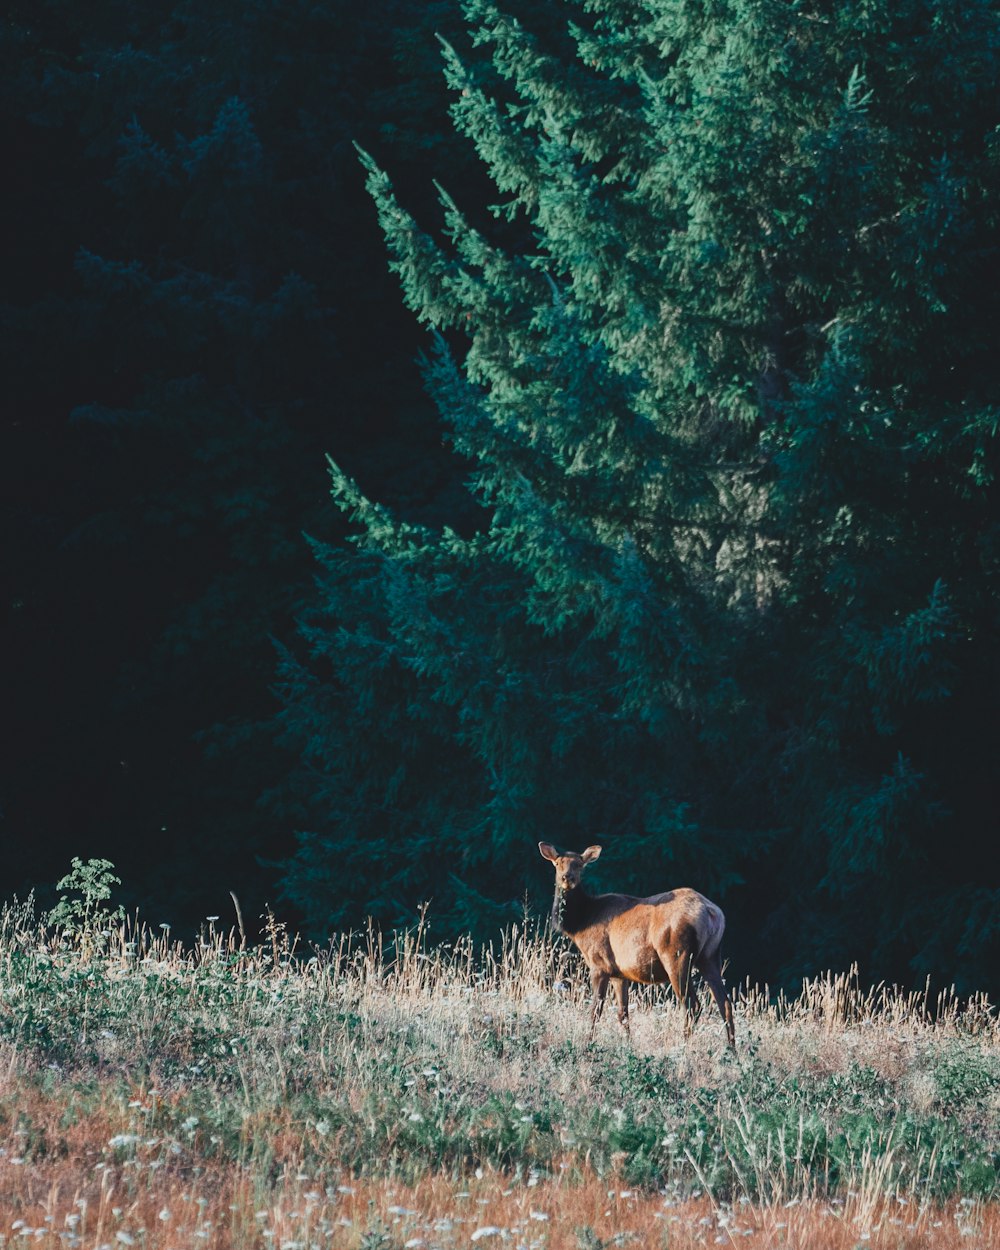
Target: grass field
[[380, 1096]]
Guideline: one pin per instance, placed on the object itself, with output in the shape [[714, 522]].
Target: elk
[[648, 940]]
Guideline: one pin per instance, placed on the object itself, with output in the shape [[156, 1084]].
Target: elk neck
[[571, 910]]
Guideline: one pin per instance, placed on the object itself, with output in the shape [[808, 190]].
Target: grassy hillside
[[379, 1096]]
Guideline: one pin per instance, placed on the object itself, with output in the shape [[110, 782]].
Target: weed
[[80, 915]]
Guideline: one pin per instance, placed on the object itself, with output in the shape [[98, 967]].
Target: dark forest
[[429, 428]]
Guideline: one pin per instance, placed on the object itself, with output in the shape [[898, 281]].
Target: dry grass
[[382, 1094]]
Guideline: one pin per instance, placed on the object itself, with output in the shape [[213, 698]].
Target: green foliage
[[721, 368], [80, 914], [378, 1237], [965, 1081]]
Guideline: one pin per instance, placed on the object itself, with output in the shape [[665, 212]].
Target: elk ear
[[590, 854], [548, 851]]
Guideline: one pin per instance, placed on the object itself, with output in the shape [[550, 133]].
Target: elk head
[[570, 866]]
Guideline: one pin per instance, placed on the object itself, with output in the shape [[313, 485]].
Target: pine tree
[[722, 368]]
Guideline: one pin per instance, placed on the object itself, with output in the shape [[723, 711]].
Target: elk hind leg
[[680, 965], [708, 966]]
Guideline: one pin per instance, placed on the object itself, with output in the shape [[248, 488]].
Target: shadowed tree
[[724, 371]]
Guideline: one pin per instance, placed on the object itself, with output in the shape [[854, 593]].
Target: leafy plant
[[81, 915]]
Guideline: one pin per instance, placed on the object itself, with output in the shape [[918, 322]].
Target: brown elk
[[649, 940]]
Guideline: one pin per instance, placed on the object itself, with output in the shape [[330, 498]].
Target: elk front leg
[[621, 993], [599, 984]]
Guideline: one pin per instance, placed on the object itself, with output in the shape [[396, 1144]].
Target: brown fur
[[622, 938]]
